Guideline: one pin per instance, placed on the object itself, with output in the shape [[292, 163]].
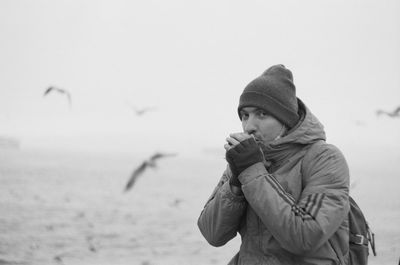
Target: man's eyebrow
[[259, 109], [251, 110]]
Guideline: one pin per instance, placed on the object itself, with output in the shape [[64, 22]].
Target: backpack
[[360, 234]]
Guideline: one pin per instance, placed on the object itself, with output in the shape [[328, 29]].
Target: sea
[[63, 207]]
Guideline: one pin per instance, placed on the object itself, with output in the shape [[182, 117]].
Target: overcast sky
[[191, 60]]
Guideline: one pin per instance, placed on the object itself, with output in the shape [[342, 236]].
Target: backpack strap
[[371, 238], [359, 239]]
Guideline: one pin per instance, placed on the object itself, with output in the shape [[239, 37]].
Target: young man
[[285, 190]]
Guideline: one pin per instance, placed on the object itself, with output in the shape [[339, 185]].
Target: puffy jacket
[[293, 211]]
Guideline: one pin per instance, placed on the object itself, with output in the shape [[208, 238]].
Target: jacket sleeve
[[220, 219], [304, 225]]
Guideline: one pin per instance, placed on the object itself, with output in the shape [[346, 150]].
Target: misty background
[[61, 186], [191, 60]]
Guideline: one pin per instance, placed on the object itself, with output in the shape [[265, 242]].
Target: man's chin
[[261, 144]]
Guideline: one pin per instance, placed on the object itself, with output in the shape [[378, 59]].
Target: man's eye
[[261, 113], [244, 116]]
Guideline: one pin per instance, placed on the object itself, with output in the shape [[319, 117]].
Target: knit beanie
[[273, 92]]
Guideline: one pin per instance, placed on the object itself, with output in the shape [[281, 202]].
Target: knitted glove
[[240, 157]]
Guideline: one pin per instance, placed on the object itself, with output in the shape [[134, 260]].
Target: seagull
[[151, 162], [89, 240], [59, 90], [360, 123], [394, 114], [176, 202], [140, 111]]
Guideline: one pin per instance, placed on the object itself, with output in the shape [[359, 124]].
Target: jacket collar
[[307, 131]]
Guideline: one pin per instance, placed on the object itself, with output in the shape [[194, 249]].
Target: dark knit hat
[[273, 92]]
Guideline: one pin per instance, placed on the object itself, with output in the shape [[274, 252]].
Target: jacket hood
[[307, 131]]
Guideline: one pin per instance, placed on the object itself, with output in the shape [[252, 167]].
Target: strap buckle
[[361, 239], [371, 239]]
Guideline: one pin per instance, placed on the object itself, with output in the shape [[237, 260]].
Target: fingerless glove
[[240, 157]]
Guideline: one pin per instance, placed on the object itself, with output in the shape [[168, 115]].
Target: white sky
[[192, 59]]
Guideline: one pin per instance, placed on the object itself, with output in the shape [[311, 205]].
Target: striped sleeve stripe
[[311, 199], [317, 204], [288, 198], [300, 212], [281, 191], [307, 211], [313, 204]]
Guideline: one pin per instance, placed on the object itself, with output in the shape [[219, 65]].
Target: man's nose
[[249, 126]]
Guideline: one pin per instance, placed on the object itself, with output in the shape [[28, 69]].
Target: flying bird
[[58, 90], [176, 202], [360, 123], [393, 114], [149, 163], [141, 111]]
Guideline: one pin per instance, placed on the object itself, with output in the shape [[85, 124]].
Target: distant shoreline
[[9, 143]]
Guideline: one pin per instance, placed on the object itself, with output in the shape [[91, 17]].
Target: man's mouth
[[257, 140]]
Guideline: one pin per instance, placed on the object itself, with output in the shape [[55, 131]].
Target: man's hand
[[242, 151], [235, 138]]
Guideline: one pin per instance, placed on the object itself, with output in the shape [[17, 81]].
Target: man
[[285, 190]]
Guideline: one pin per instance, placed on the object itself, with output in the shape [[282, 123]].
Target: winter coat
[[292, 212]]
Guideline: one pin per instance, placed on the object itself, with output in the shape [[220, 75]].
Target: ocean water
[[65, 208], [70, 208]]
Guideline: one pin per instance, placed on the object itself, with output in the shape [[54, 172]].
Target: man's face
[[263, 126]]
